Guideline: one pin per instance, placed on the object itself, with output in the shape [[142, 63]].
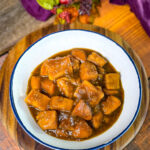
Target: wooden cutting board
[[6, 113]]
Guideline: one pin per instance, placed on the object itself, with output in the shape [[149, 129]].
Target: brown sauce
[[108, 120]]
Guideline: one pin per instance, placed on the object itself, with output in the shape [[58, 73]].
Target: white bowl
[[65, 40]]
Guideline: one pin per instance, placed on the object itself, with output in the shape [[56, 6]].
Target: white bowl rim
[[53, 147]]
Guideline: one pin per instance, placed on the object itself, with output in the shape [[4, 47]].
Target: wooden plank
[[121, 20], [8, 119], [15, 23]]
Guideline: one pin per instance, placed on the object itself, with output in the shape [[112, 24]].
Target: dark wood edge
[[149, 81], [4, 51]]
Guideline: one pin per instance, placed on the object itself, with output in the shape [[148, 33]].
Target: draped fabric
[[141, 8], [35, 10]]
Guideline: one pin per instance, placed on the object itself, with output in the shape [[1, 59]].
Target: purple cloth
[[141, 8], [35, 10]]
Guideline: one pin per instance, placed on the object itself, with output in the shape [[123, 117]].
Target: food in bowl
[[47, 46], [75, 94]]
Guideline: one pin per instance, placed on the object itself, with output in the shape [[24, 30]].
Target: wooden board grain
[[15, 23], [120, 19], [6, 114]]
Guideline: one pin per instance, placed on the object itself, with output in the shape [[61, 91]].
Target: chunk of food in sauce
[[75, 64], [82, 110], [67, 124], [75, 95], [97, 120], [56, 68], [48, 86], [82, 130], [106, 119], [110, 105], [97, 59], [66, 87], [101, 70], [100, 78], [35, 82], [47, 120], [79, 54], [62, 133], [75, 81], [110, 92], [88, 71], [89, 92], [60, 103], [112, 81], [37, 100]]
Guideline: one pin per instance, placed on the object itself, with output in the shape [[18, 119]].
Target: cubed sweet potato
[[88, 71], [66, 87], [47, 120], [100, 78], [97, 120], [89, 92], [106, 119], [62, 133], [37, 100], [110, 92], [48, 86], [67, 124], [82, 130], [58, 67], [110, 105], [75, 81], [79, 54], [61, 103], [75, 64], [101, 70], [97, 59], [45, 68], [35, 82], [82, 110], [112, 81]]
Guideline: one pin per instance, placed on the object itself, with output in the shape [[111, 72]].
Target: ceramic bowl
[[64, 40]]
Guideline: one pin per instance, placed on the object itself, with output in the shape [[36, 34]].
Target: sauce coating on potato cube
[[97, 120], [89, 92], [35, 82], [96, 59], [79, 54], [82, 130], [47, 120], [58, 67], [110, 92], [110, 105], [75, 64], [45, 68], [66, 87], [101, 70], [82, 110], [88, 71], [48, 86], [60, 103], [112, 81], [37, 100], [61, 133], [67, 124]]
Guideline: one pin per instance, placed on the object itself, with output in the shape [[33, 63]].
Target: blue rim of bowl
[[58, 148]]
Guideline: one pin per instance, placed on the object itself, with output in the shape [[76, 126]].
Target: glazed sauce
[[108, 120]]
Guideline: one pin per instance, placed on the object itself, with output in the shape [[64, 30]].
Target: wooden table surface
[[15, 23], [113, 17]]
